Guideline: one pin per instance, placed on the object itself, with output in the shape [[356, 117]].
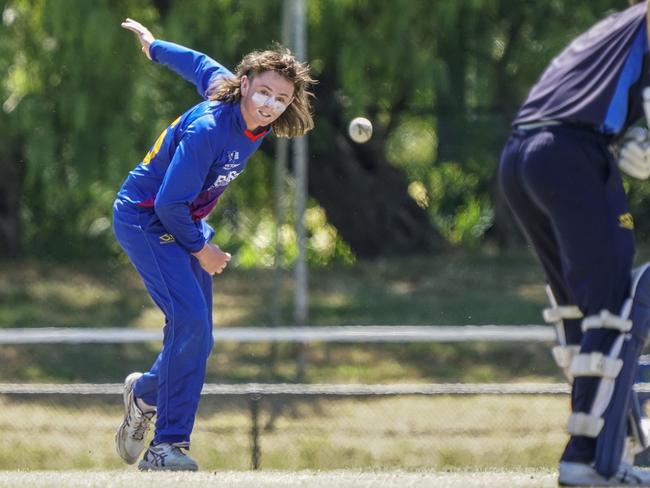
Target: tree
[[440, 81], [71, 109], [371, 59], [490, 53]]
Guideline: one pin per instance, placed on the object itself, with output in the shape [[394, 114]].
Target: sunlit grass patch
[[409, 432]]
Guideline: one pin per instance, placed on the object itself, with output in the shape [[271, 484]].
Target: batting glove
[[634, 156]]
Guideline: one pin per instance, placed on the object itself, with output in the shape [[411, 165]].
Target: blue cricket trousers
[[565, 191], [183, 291]]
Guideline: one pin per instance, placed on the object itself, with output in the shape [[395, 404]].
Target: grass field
[[433, 433], [425, 435], [282, 479], [458, 288]]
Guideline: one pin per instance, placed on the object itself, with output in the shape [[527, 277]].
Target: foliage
[[81, 105], [70, 90]]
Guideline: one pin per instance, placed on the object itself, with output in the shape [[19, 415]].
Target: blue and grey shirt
[[598, 79]]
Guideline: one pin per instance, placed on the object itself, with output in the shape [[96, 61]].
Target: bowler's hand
[[144, 35], [212, 259]]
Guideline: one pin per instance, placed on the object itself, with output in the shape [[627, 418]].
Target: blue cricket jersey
[[598, 79], [196, 157]]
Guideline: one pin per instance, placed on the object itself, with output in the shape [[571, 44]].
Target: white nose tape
[[268, 101]]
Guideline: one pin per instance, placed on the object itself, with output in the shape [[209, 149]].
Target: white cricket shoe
[[166, 457], [579, 474], [129, 438]]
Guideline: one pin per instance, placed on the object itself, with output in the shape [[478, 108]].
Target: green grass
[[457, 288], [381, 433], [441, 433]]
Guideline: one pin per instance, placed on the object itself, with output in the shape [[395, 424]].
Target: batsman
[[560, 173]]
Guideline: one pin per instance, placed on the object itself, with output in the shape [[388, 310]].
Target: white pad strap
[[595, 364], [559, 312], [563, 356], [634, 442], [585, 425], [606, 320]]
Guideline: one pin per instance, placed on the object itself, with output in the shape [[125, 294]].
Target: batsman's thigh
[[587, 208], [609, 232], [621, 218]]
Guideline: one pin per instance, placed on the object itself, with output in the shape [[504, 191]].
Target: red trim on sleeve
[[148, 203]]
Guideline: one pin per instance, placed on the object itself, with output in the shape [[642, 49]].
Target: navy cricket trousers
[[183, 291], [565, 191]]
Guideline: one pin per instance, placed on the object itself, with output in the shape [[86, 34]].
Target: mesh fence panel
[[290, 427], [300, 431]]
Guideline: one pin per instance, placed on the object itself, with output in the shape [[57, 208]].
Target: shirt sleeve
[[195, 67], [183, 181]]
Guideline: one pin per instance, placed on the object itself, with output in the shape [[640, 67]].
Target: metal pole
[[254, 402], [279, 176], [300, 154], [281, 157]]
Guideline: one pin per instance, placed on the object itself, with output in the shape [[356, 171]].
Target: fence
[[342, 334], [299, 426]]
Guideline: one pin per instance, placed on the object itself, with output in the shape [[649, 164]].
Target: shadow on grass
[[38, 294], [74, 363], [458, 288]]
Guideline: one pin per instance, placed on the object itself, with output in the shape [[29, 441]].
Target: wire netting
[[300, 431]]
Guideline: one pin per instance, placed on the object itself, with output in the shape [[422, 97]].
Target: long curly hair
[[297, 119]]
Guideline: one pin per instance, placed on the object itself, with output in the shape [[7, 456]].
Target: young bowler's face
[[264, 98]]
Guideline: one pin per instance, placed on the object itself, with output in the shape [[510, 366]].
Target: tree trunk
[[367, 200], [365, 197], [12, 175]]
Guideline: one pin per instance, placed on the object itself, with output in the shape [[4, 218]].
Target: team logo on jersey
[[223, 180], [626, 221], [233, 156], [167, 239]]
